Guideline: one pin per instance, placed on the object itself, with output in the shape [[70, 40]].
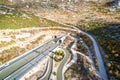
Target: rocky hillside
[[100, 18], [113, 4], [58, 1]]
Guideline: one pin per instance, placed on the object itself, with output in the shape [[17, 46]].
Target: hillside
[[100, 18]]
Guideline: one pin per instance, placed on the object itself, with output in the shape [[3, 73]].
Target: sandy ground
[[35, 34], [36, 71]]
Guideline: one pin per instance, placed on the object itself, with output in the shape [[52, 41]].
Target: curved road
[[50, 67], [97, 51], [99, 58], [98, 54], [48, 72], [60, 75], [18, 67], [74, 56]]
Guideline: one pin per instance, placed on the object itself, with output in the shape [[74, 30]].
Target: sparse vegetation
[[59, 55], [93, 19], [80, 70], [1, 1], [3, 44], [13, 52], [54, 73], [16, 20], [9, 54], [5, 2], [108, 37], [80, 47], [45, 22], [13, 19]]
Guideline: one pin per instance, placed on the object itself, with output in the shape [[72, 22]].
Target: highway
[[20, 66], [97, 52], [60, 75], [50, 67], [20, 72], [22, 56]]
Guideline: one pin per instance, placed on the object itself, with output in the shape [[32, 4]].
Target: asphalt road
[[48, 72], [20, 72], [74, 56], [99, 58], [20, 66], [60, 75], [97, 52], [22, 56], [12, 67]]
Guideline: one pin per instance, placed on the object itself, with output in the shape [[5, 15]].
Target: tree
[[54, 73], [109, 65]]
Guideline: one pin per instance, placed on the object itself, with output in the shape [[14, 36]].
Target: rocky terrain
[[101, 18]]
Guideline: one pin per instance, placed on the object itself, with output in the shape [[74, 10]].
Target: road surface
[[98, 54], [99, 58], [20, 66], [60, 75], [48, 72], [20, 72], [74, 56]]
